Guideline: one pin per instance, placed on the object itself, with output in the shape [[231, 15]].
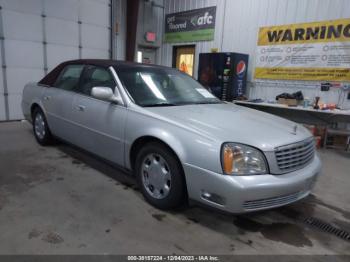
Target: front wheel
[[160, 176], [40, 128]]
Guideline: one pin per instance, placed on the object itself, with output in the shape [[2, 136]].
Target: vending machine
[[223, 74]]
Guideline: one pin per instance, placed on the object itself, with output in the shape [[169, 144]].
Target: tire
[[156, 166], [40, 128]]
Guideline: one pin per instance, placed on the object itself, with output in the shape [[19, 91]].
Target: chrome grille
[[294, 156], [272, 202]]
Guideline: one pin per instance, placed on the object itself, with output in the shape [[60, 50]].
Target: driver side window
[[95, 76]]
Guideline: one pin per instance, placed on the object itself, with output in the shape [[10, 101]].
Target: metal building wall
[[150, 19], [160, 26], [237, 24], [36, 35], [119, 21], [173, 6], [241, 36]]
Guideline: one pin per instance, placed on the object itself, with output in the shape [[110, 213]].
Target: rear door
[[101, 123], [58, 102]]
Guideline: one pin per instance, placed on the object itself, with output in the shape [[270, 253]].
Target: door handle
[[47, 97], [80, 108]]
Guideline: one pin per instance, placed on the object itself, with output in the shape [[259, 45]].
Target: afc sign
[[206, 19]]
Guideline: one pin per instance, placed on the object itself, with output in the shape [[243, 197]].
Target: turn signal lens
[[228, 160]]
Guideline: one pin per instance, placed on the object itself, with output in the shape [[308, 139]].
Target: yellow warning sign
[[309, 51]]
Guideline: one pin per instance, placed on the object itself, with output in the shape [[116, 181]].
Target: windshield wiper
[[159, 104], [207, 102]]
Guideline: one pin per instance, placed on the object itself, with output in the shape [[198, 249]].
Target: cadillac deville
[[178, 140]]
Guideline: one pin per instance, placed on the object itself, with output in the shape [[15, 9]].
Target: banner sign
[[189, 26], [317, 51]]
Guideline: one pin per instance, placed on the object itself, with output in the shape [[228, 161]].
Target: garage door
[[36, 35]]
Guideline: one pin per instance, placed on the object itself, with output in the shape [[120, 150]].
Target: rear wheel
[[40, 128], [160, 176]]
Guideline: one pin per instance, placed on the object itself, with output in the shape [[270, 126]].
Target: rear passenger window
[[69, 77]]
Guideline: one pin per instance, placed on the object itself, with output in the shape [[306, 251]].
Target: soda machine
[[223, 74]]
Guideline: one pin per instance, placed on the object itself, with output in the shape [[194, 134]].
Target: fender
[[159, 134], [190, 146]]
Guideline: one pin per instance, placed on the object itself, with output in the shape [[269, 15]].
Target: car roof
[[108, 63], [51, 77]]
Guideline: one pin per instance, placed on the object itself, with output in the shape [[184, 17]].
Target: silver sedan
[[178, 140]]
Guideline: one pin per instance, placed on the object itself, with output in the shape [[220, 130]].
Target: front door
[[183, 58], [101, 123]]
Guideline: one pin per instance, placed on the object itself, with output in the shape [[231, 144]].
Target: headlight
[[238, 159]]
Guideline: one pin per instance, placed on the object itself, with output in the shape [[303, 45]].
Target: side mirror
[[105, 93]]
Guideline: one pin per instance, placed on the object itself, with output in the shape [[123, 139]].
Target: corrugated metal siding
[[39, 34], [160, 28], [120, 18], [237, 24], [150, 19], [173, 6]]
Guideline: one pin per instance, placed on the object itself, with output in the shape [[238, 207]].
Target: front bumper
[[241, 194]]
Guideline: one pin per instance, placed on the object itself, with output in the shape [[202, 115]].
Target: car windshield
[[153, 86]]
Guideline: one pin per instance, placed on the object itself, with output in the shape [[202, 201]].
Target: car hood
[[232, 123]]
